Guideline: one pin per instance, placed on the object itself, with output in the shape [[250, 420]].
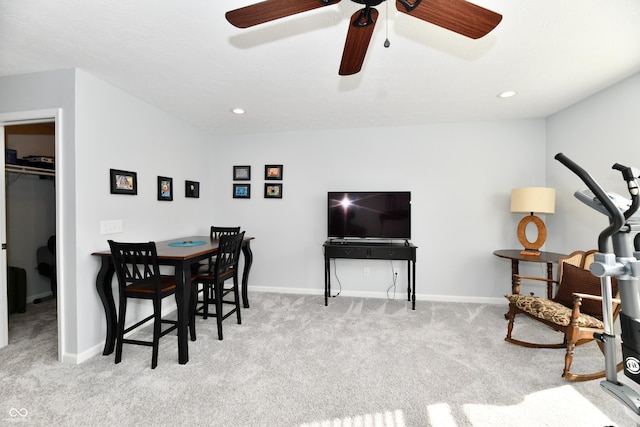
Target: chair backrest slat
[[135, 263], [217, 232], [228, 252]]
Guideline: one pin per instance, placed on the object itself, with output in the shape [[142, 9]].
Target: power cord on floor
[[393, 284], [335, 273]]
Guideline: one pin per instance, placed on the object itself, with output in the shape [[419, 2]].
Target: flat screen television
[[369, 214]]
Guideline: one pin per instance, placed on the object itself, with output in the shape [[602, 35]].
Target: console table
[[370, 250]]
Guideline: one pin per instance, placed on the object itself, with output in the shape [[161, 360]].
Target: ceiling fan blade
[[459, 16], [358, 37], [270, 10]]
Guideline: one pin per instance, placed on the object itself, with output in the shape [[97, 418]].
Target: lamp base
[[530, 252], [531, 248]]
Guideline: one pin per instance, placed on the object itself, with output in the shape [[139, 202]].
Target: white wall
[[595, 133], [460, 176]]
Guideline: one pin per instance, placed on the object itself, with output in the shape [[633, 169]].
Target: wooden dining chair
[[212, 280], [575, 310], [214, 234], [138, 273], [207, 265]]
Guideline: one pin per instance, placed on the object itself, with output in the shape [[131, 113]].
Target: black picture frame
[[192, 189], [242, 173], [165, 188], [123, 182], [273, 172], [272, 190], [241, 191]]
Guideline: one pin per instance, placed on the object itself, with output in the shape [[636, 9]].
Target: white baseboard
[[380, 295], [32, 298]]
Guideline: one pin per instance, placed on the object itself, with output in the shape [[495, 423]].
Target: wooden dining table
[[180, 253]]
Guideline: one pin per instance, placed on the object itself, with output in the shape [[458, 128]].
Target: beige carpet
[[295, 362]]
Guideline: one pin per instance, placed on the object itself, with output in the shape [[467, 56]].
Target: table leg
[[413, 294], [515, 280], [327, 280], [248, 260], [183, 292], [550, 277], [103, 285], [408, 280]]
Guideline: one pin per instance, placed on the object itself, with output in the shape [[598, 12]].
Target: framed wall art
[[272, 191], [242, 173], [192, 189], [241, 191], [273, 172], [123, 182], [165, 188]]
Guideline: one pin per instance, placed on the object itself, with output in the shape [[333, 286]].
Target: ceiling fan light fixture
[[507, 94], [238, 111]]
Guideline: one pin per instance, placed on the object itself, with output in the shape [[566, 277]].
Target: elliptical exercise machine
[[623, 263]]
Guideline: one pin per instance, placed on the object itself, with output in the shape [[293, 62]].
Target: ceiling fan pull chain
[[387, 43]]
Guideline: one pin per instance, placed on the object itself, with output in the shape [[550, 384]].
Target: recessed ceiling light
[[238, 111], [507, 94]]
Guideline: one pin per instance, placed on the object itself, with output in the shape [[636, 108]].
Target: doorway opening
[[29, 222]]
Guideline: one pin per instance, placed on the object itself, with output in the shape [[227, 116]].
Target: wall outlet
[[366, 271], [396, 271], [111, 227]]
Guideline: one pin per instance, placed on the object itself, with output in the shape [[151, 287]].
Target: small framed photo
[[242, 173], [123, 182], [165, 188], [273, 172], [192, 189], [241, 191], [273, 191]]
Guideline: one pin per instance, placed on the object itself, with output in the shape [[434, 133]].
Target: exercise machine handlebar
[[617, 219]]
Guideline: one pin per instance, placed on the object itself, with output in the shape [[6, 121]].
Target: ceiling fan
[[458, 16]]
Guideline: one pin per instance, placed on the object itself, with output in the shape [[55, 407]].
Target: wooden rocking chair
[[575, 311]]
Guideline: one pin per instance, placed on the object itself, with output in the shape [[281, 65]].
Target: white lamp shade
[[533, 199]]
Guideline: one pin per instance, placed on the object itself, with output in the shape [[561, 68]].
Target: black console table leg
[[408, 280], [413, 294], [327, 281]]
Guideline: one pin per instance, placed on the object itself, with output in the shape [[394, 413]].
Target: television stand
[[347, 249]]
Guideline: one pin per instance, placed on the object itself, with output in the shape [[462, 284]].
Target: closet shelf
[[30, 170]]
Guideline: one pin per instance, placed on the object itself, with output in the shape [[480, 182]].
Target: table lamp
[[532, 200]]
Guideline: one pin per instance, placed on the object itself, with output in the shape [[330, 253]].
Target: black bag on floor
[[17, 289]]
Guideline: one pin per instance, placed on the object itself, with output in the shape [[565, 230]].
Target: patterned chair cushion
[[576, 279], [552, 311]]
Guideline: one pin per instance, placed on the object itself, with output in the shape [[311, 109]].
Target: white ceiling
[[185, 58]]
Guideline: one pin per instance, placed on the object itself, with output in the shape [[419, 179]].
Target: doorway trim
[[25, 117]]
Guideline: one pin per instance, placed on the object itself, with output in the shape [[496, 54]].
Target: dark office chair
[[225, 267], [46, 259], [138, 274]]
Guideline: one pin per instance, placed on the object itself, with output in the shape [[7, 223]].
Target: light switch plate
[[111, 227]]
